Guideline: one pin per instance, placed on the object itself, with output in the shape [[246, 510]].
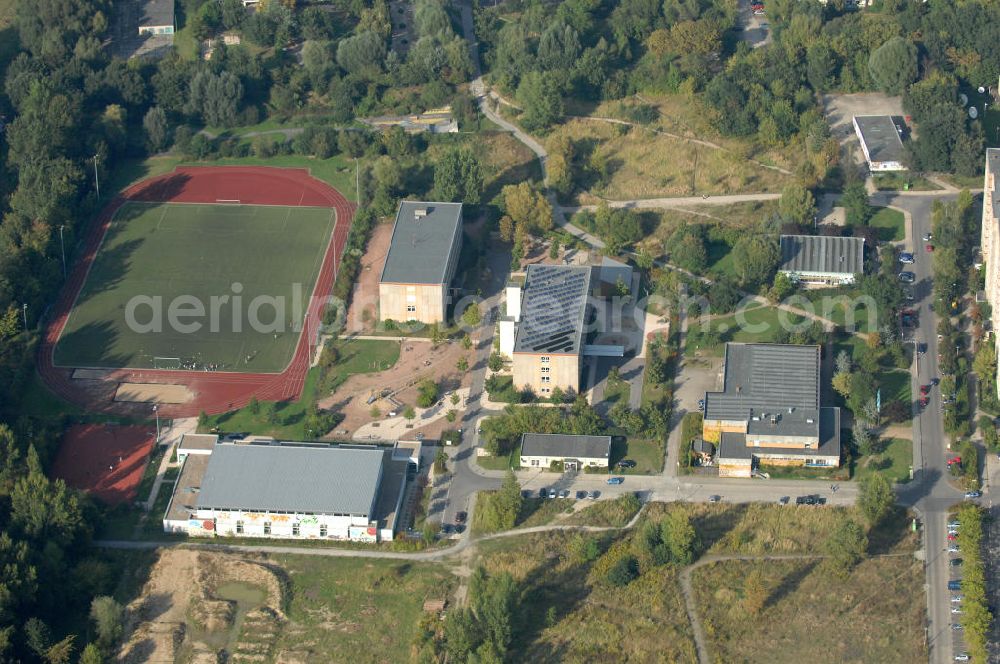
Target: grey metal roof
[[565, 445], [993, 164], [822, 254], [422, 245], [157, 13], [880, 137], [553, 309], [610, 271], [292, 478], [778, 384]]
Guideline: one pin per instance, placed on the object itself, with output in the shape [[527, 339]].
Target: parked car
[[929, 248], [783, 500], [955, 609], [952, 537], [906, 258], [954, 524], [957, 598], [956, 562], [973, 494], [580, 495], [955, 584], [553, 493], [626, 463], [564, 493], [962, 657], [701, 404], [460, 517], [907, 277], [927, 237], [615, 480], [925, 389], [714, 499], [952, 549], [447, 529], [527, 493], [592, 495], [543, 492], [956, 626]]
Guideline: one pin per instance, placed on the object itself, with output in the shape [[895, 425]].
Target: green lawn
[[895, 384], [186, 258], [754, 325], [289, 422], [647, 454], [363, 356], [512, 460], [720, 259], [890, 224], [617, 391], [356, 610], [894, 462]]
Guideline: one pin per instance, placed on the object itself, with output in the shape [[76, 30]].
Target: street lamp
[[97, 182], [62, 247], [24, 312], [157, 413]]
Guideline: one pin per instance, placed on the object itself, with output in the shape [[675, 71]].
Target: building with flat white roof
[[881, 141]]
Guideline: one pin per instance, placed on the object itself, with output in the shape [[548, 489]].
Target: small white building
[[821, 259], [289, 490], [881, 141], [540, 450]]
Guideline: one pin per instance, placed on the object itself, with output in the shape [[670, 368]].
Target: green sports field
[[239, 276]]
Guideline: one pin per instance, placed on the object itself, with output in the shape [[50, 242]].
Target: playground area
[[105, 460], [418, 361]]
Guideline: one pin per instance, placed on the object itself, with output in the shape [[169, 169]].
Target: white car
[[957, 598], [955, 609], [961, 657], [952, 549]]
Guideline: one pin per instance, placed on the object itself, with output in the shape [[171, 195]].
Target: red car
[[951, 537], [925, 389], [954, 460], [929, 248], [924, 401]]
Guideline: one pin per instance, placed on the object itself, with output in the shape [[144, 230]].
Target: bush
[[624, 571]]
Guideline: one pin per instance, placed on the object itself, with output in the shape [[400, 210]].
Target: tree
[[527, 207], [680, 537], [458, 176], [846, 547], [541, 99], [472, 316], [215, 97], [984, 365], [797, 204], [863, 439], [108, 616], [893, 65], [427, 393], [875, 498], [855, 202], [91, 655], [495, 363], [755, 259], [623, 571], [754, 592], [154, 123], [409, 413], [362, 54], [462, 365], [783, 287]]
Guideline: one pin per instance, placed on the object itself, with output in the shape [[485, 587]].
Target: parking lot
[[841, 109], [991, 561]]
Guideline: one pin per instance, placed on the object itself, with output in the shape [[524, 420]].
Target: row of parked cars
[[955, 585], [549, 492]]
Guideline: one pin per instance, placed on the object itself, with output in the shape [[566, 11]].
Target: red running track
[[214, 392]]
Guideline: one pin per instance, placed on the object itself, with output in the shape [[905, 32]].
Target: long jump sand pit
[[152, 393]]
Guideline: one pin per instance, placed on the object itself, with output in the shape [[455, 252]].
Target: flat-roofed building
[[289, 490], [540, 450], [548, 341], [196, 443], [822, 260], [881, 142], [990, 238], [157, 17], [769, 410], [422, 259]]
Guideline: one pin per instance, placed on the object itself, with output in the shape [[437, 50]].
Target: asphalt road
[[930, 494]]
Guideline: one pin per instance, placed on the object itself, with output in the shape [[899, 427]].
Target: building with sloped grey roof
[[288, 490], [769, 410], [821, 259], [540, 450], [881, 141], [421, 262], [157, 17]]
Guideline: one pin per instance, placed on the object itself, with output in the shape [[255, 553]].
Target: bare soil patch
[[418, 361], [362, 315], [153, 393]]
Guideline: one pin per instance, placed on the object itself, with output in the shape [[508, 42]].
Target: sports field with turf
[[198, 286]]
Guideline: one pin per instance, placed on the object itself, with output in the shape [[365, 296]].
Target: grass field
[[357, 611], [890, 225], [875, 615], [647, 454], [754, 325], [179, 257], [894, 462], [897, 181]]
